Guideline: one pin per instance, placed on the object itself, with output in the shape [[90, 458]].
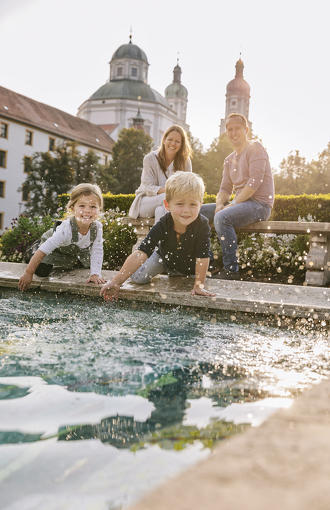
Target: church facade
[[237, 97], [127, 94]]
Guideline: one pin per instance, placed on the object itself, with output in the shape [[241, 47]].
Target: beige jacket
[[152, 179]]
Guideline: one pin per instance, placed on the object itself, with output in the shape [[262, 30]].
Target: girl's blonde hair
[[85, 189], [181, 156]]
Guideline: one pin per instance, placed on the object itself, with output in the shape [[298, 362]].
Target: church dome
[[130, 51], [176, 90], [129, 89], [238, 85]]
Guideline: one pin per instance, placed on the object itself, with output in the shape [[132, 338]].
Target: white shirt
[[63, 237]]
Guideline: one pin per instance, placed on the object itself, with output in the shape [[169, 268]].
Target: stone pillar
[[318, 259]]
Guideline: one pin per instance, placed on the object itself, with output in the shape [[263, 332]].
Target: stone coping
[[304, 302], [282, 465]]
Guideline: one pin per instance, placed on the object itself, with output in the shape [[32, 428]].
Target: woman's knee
[[159, 212]]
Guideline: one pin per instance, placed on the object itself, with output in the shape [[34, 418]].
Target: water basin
[[100, 403]]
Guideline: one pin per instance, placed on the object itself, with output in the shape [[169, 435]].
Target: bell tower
[[237, 97]]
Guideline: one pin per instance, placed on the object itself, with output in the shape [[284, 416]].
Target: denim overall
[[67, 256]]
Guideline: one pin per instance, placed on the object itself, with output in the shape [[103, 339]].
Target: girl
[[172, 155], [76, 239]]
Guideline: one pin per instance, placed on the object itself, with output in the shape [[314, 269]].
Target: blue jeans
[[235, 216]]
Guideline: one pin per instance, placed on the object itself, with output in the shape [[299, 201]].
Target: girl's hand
[[110, 291], [201, 292], [25, 281], [95, 278]]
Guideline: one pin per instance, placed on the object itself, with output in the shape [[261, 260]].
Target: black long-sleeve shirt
[[179, 255]]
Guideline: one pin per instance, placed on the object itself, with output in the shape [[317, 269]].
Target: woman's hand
[[200, 291], [160, 191], [110, 291], [95, 278], [25, 281]]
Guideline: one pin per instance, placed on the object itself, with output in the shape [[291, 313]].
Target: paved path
[[233, 296]]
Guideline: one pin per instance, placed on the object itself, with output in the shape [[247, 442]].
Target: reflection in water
[[170, 401]]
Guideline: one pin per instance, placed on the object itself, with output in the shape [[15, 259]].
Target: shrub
[[290, 207], [22, 233], [286, 207], [111, 202], [119, 239]]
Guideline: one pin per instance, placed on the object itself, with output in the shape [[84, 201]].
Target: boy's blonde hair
[[181, 184], [85, 189]]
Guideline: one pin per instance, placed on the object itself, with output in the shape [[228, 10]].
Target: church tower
[[177, 96], [237, 97]]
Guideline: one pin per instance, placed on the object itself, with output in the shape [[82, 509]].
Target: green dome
[[130, 51], [176, 90], [129, 89]]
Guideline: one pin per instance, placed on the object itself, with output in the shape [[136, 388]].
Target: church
[[126, 99], [237, 97]]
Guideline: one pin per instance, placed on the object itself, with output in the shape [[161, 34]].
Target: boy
[[178, 243]]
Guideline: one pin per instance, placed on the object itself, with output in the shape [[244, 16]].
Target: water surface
[[101, 402]]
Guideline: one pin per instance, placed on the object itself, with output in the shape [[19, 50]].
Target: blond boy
[[178, 243]]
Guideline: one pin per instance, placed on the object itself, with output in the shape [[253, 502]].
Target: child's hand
[[25, 281], [95, 278], [110, 291], [200, 291]]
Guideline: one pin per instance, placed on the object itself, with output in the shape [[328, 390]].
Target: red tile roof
[[42, 116], [108, 128]]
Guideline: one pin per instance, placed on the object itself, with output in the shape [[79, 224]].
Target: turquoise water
[[99, 402]]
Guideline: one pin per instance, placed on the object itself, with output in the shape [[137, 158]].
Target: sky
[[58, 53]]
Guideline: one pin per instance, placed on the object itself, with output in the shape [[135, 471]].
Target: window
[[28, 137], [3, 159], [51, 144], [25, 193], [2, 189], [119, 71], [134, 71], [27, 164], [105, 160], [3, 130], [1, 220], [233, 103]]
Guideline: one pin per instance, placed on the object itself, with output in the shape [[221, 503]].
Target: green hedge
[[290, 207], [122, 202], [286, 207]]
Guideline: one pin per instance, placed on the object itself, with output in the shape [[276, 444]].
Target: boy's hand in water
[[110, 291], [95, 278], [200, 291], [25, 281]]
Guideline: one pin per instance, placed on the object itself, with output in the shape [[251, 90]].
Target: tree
[[52, 175], [320, 172], [127, 159], [198, 155], [294, 175], [213, 160], [48, 177]]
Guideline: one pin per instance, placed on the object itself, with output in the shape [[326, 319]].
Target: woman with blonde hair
[[172, 155]]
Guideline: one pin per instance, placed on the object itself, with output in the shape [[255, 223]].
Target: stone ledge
[[282, 465], [233, 296]]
